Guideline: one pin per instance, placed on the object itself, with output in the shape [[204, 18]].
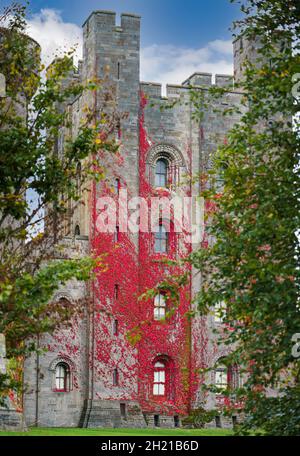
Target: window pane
[[162, 376], [157, 247], [161, 389], [156, 377], [162, 313], [155, 389], [162, 301], [221, 377], [60, 377], [161, 171], [163, 246], [159, 364]]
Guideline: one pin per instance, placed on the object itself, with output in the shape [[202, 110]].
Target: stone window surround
[[71, 369], [169, 153]]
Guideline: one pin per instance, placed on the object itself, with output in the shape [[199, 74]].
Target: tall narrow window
[[78, 179], [77, 230], [161, 173], [117, 186], [161, 239], [234, 377], [221, 377], [116, 292], [118, 130], [115, 377], [61, 377], [117, 234], [159, 381], [115, 327], [159, 307], [118, 70]]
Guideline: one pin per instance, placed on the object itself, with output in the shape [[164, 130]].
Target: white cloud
[[54, 35], [167, 64]]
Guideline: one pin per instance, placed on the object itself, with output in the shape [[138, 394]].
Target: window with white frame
[[159, 381], [159, 307], [221, 377], [62, 377], [220, 312]]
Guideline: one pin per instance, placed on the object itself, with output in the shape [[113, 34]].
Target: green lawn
[[119, 432]]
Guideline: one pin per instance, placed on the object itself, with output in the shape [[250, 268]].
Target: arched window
[[77, 230], [161, 239], [117, 234], [161, 173], [62, 377], [227, 377], [159, 307], [159, 380], [117, 186]]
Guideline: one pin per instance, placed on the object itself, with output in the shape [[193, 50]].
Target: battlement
[[154, 89], [107, 21], [203, 79], [206, 79]]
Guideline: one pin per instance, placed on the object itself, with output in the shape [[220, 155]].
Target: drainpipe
[[36, 422]]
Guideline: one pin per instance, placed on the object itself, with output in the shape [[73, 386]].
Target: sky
[[178, 37]]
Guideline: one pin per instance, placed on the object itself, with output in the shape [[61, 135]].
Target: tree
[[253, 263], [32, 119]]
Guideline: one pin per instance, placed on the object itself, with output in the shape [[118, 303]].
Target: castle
[[94, 374]]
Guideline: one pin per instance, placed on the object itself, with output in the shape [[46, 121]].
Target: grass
[[118, 432]]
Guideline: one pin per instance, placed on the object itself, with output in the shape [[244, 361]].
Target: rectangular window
[[158, 389], [161, 239], [116, 292], [159, 307], [221, 377]]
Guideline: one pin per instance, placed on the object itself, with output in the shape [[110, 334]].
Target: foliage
[[252, 261], [39, 184], [199, 417]]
